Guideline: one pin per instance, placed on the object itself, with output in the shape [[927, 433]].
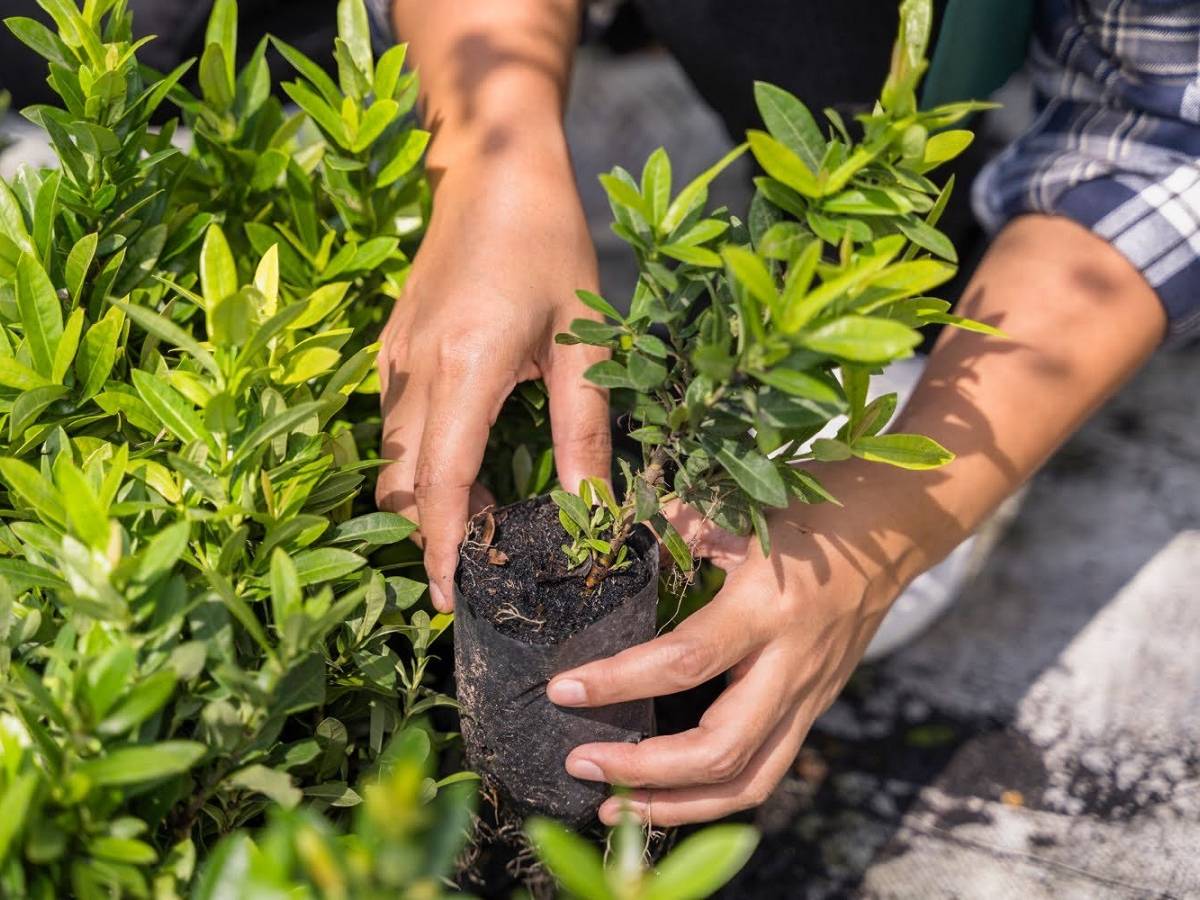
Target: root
[[509, 613]]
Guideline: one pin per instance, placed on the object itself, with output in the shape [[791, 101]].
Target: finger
[[578, 415], [403, 401], [717, 751], [707, 644], [463, 404], [668, 808]]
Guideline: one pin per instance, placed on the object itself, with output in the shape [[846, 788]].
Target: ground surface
[[1043, 740]]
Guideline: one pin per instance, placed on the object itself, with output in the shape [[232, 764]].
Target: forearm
[[494, 75], [1081, 321]]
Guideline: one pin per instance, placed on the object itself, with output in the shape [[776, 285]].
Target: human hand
[[492, 285], [789, 630]]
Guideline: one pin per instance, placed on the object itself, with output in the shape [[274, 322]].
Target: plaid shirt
[[1116, 146]]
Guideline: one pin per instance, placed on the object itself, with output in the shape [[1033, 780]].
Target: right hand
[[492, 285]]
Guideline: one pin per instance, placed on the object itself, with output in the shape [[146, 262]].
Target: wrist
[[532, 146], [887, 531]]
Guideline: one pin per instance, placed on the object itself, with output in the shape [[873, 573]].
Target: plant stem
[[653, 476]]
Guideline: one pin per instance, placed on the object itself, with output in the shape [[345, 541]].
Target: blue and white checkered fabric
[[1116, 146]]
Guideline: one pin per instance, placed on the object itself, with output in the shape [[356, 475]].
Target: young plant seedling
[[747, 339]]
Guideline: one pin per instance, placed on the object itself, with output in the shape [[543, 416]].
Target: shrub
[[191, 628], [727, 364]]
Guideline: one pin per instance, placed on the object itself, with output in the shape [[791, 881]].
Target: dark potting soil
[[520, 581]]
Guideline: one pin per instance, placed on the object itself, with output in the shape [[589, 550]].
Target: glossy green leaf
[[574, 863], [138, 765], [906, 451], [702, 863], [41, 313], [789, 121], [754, 473], [175, 413]]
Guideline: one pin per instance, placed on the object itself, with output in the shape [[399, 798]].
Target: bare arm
[[496, 277], [790, 629]]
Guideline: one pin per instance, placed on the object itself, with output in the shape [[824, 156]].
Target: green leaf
[[381, 114], [600, 305], [656, 185], [137, 765], [321, 112], [310, 70], [166, 330], [286, 594], [355, 30], [175, 413], [782, 164], [608, 374], [232, 320], [122, 850], [906, 451], [800, 384], [68, 345], [283, 423], [945, 146], [752, 274], [574, 862], [405, 159], [790, 122], [268, 782], [754, 473], [215, 82], [162, 552], [34, 489], [87, 517], [703, 863], [218, 273], [41, 313], [79, 262], [376, 528], [693, 256], [29, 406], [626, 195], [222, 30], [673, 541], [646, 374], [387, 72], [326, 564], [16, 800], [21, 576], [691, 195], [21, 378], [864, 340], [927, 237], [144, 700], [574, 507]]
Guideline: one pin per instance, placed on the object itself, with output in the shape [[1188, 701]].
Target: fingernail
[[567, 692], [614, 807], [585, 769]]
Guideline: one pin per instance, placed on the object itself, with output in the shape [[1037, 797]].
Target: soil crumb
[[531, 596]]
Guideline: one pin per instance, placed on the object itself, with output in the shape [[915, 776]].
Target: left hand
[[788, 629]]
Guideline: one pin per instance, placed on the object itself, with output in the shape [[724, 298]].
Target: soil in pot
[[523, 617]]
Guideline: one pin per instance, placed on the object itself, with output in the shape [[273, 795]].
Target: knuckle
[[726, 761], [462, 352], [691, 661]]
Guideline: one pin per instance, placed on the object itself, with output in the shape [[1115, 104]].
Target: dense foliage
[[746, 339], [190, 624]]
